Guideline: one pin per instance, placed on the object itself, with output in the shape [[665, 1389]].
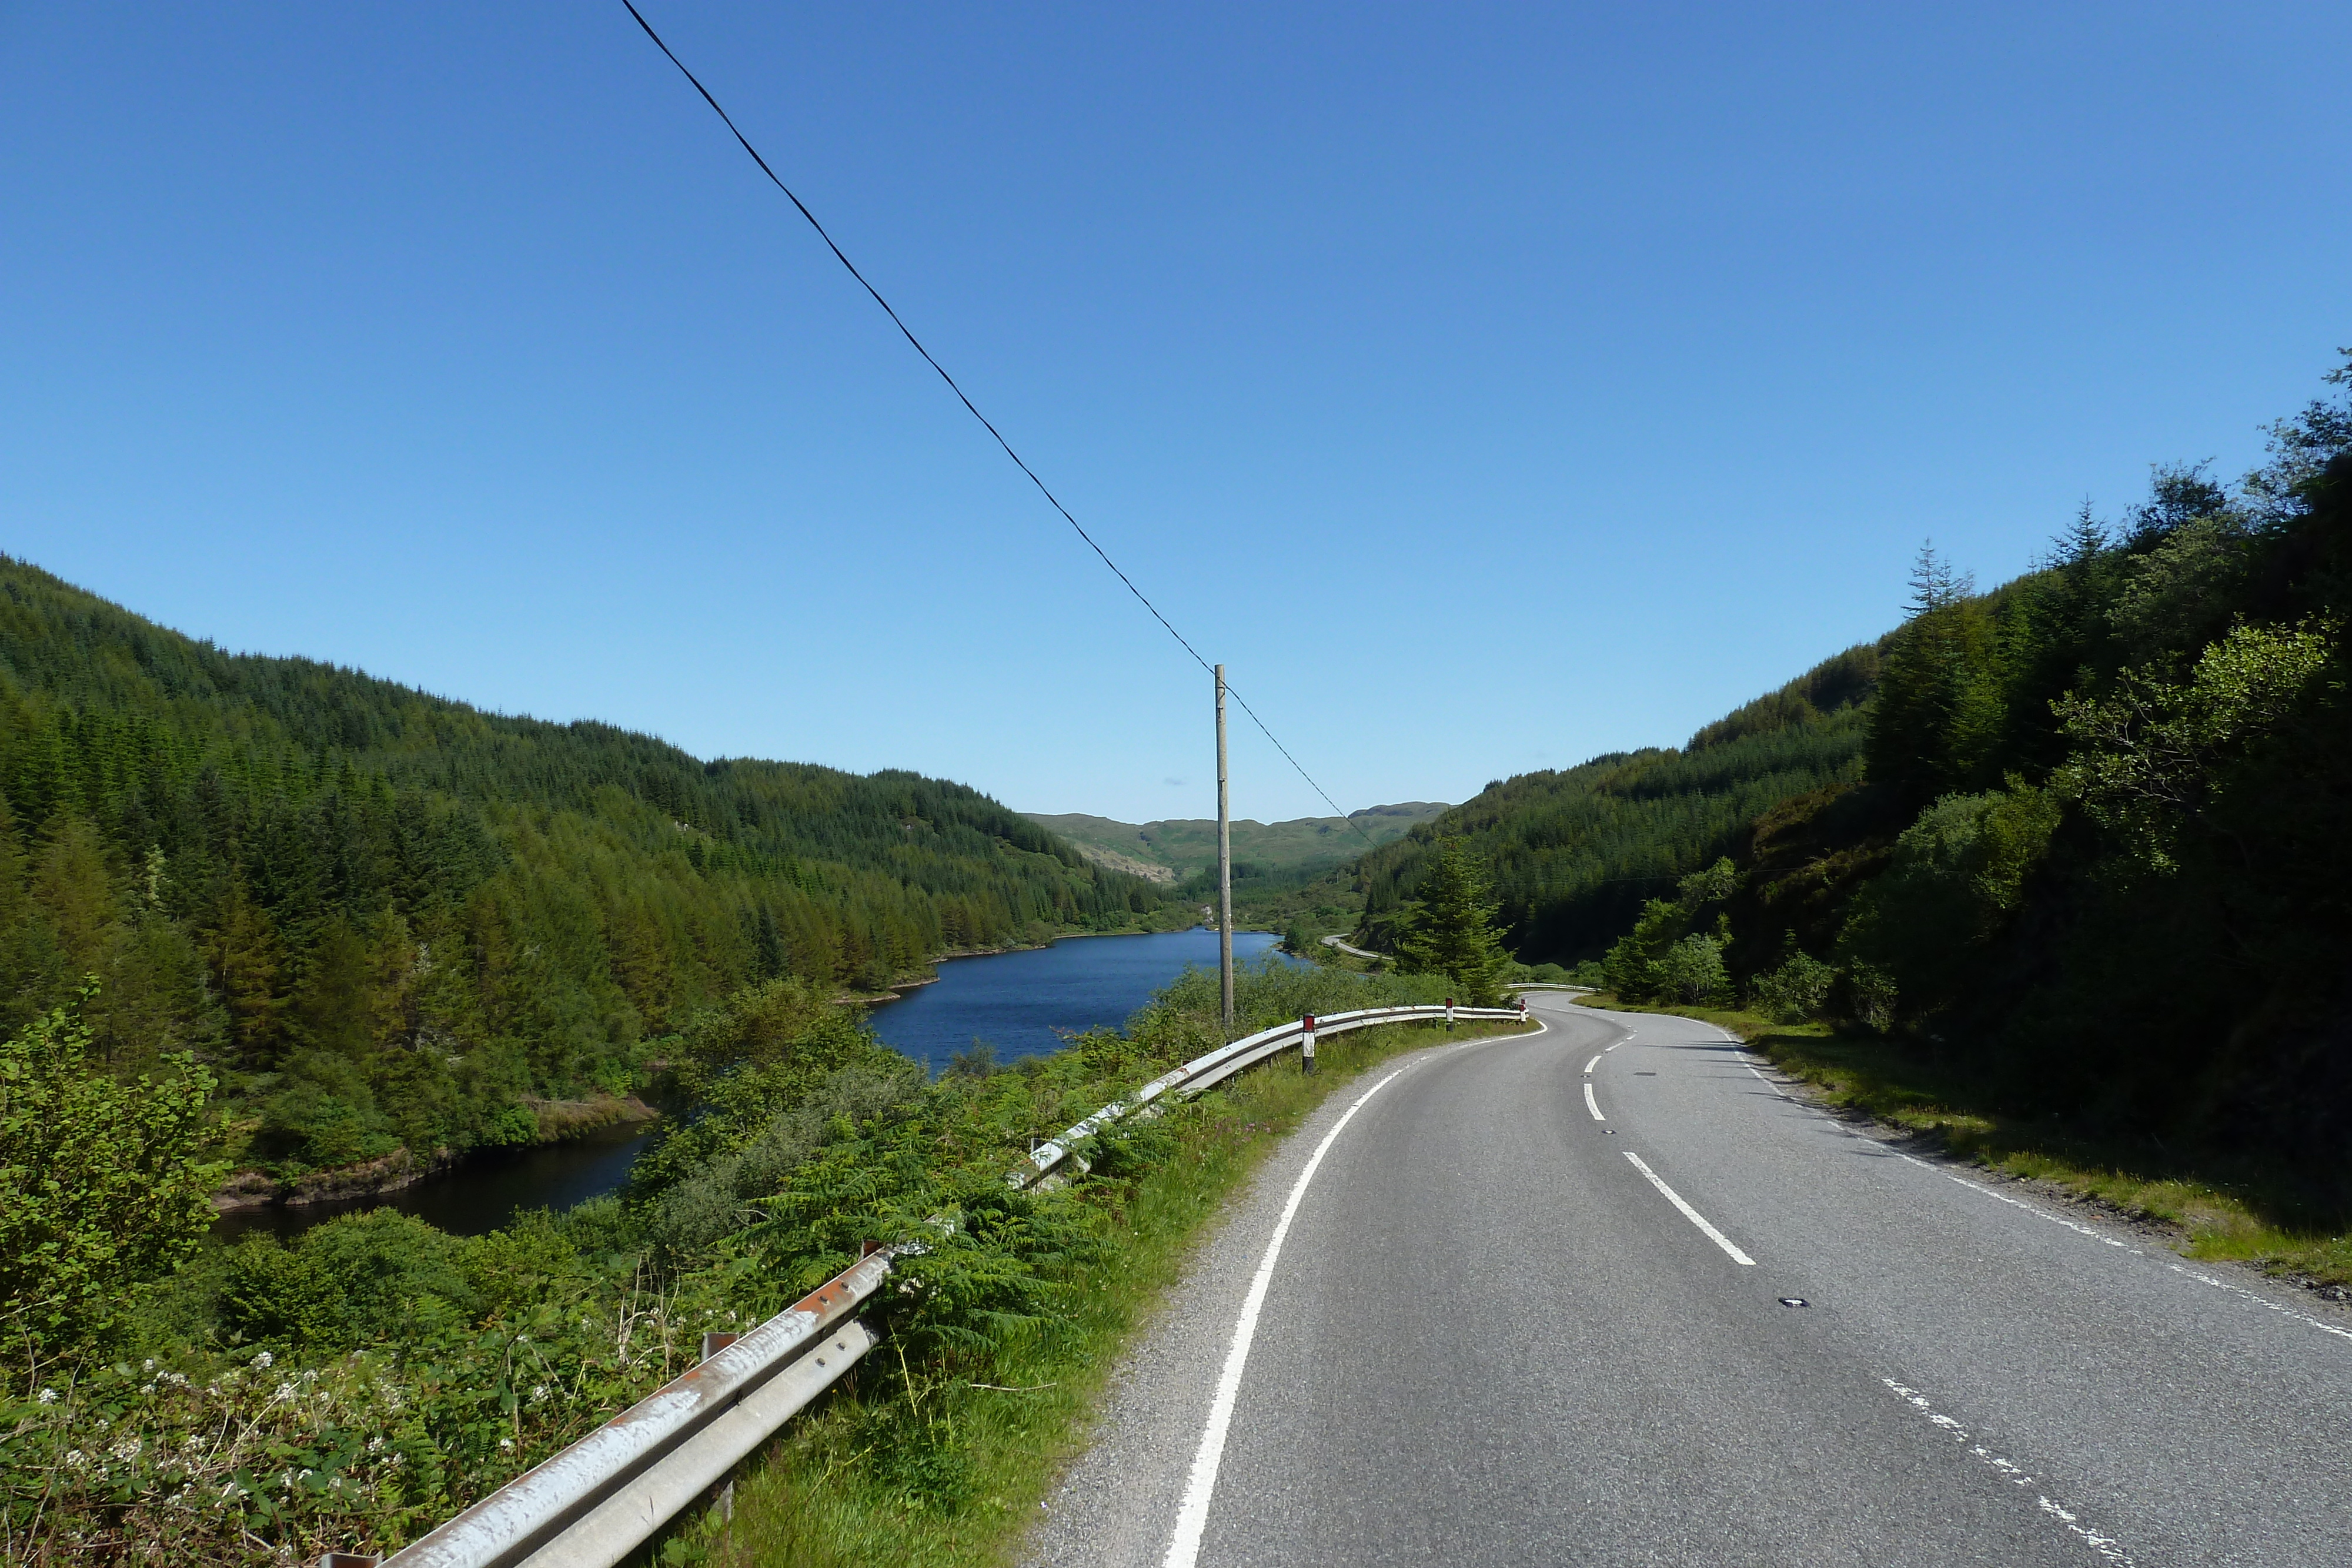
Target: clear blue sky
[[1487, 387]]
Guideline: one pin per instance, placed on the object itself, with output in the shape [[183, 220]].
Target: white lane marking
[[1590, 1103], [2105, 1546], [1192, 1514], [2080, 1229], [2259, 1300], [1693, 1215], [1591, 1065], [2075, 1225]]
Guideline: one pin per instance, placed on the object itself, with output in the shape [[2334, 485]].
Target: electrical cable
[[974, 410]]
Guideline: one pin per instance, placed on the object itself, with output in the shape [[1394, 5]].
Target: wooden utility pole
[[1224, 872]]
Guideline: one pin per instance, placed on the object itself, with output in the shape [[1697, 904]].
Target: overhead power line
[[969, 407]]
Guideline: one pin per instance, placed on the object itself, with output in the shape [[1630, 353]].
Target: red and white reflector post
[[1307, 1044], [1449, 1015]]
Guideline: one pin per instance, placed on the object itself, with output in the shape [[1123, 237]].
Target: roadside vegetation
[[2065, 866], [170, 1400], [945, 1462]]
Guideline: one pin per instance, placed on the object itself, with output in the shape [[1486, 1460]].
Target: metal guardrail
[[598, 1500]]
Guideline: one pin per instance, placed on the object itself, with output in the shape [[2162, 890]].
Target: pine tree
[[1452, 933]]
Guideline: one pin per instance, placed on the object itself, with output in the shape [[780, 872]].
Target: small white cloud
[[1173, 783]]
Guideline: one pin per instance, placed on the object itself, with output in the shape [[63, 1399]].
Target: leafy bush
[[1870, 998], [1795, 992], [1664, 957], [100, 1186], [1692, 971], [357, 1279], [1959, 875]]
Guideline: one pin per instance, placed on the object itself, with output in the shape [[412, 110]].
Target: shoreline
[[560, 1121]]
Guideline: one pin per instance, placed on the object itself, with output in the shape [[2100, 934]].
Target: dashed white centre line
[[1693, 1215], [1590, 1103], [1591, 1065], [2105, 1546]]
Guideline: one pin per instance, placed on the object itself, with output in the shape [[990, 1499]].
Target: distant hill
[[1171, 851]]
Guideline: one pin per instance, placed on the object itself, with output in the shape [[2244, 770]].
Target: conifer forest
[[2086, 837]]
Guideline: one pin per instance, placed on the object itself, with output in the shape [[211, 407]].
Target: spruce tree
[[1453, 931]]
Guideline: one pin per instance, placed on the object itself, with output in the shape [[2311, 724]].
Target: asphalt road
[[1490, 1336]]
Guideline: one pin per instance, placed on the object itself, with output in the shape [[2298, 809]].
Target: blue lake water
[[1011, 1002]]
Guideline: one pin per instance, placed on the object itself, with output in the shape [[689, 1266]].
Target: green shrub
[[1796, 992], [100, 1186], [1959, 876], [355, 1281]]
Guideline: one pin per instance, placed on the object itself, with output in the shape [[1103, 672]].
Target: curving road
[[1528, 1304]]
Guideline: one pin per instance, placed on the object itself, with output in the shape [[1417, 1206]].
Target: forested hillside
[[1574, 853], [386, 919], [2087, 838]]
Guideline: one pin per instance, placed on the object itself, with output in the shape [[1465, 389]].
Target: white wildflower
[[375, 1444], [48, 1396], [262, 1361], [539, 1391], [76, 1459], [128, 1448], [506, 1442], [148, 1364], [285, 1390]]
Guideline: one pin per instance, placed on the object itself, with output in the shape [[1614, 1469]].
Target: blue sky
[[1488, 387]]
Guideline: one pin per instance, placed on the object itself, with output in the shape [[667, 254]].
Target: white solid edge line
[[1592, 1104], [1192, 1514], [1591, 1065], [1693, 1215]]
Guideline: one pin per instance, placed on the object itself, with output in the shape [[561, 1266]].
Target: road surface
[[1535, 1302]]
